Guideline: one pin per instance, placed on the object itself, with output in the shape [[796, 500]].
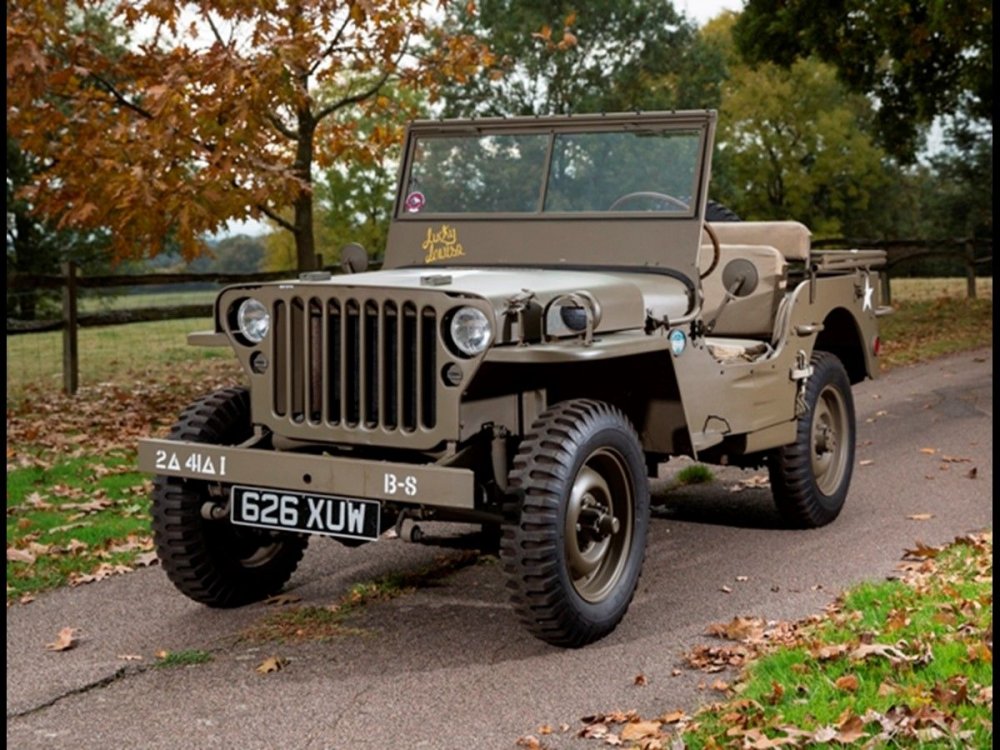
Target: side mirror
[[353, 258]]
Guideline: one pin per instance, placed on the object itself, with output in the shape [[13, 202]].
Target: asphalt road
[[448, 666]]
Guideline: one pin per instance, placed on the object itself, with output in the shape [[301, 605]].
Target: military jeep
[[560, 310]]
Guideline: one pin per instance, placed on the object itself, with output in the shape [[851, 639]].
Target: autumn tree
[[917, 59], [214, 111], [563, 56]]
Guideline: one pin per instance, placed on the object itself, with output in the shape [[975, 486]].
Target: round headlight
[[470, 331], [254, 320]]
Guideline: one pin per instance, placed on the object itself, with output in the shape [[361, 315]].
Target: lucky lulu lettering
[[442, 244]]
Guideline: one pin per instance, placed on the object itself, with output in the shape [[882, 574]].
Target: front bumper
[[412, 484]]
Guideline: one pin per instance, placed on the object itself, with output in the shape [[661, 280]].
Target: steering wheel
[[649, 194], [716, 247]]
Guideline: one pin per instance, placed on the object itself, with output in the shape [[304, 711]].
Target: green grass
[[106, 353], [913, 656], [183, 658], [79, 517], [694, 474]]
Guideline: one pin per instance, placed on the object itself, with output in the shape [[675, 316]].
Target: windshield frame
[[551, 128]]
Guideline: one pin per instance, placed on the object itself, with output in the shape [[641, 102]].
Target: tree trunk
[[305, 240]]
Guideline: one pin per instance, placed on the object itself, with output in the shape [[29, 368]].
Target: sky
[[701, 11]]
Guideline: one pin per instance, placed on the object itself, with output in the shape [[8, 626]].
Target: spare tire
[[715, 211]]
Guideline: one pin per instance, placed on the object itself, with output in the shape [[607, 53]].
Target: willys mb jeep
[[558, 312]]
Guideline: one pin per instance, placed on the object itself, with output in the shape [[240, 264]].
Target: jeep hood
[[625, 298]]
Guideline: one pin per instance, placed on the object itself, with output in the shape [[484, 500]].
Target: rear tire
[[215, 562], [810, 477], [573, 547]]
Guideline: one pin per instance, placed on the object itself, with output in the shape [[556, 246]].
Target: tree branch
[[281, 127], [120, 97], [371, 91], [214, 28], [276, 218], [330, 47]]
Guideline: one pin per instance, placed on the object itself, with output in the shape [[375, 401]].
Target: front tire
[[810, 477], [215, 562], [573, 547]]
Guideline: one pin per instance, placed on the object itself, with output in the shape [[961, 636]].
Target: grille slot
[[356, 364]]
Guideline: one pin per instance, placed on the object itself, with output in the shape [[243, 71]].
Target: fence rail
[[970, 252]]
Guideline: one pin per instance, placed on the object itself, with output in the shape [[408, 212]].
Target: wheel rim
[[829, 440], [599, 525]]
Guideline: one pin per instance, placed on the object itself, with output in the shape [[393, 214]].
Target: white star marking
[[869, 291]]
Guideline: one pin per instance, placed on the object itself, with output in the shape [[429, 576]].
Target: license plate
[[311, 514]]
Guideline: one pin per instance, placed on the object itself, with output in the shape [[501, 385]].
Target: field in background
[[131, 352]]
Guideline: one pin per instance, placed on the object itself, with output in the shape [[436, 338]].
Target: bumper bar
[[416, 484]]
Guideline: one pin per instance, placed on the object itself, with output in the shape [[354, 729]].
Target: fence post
[[71, 352], [970, 267], [886, 286]]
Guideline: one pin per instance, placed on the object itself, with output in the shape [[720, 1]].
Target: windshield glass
[[553, 173]]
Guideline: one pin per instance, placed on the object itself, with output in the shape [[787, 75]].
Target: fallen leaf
[[720, 686], [130, 657], [973, 473], [850, 730], [742, 579], [27, 599], [921, 517], [956, 459], [162, 654], [725, 589], [673, 717], [271, 664], [64, 641], [866, 462], [529, 742], [545, 729], [640, 680], [282, 599], [20, 555], [929, 451], [638, 730], [847, 682]]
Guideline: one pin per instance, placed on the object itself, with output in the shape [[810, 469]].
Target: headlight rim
[[242, 328], [452, 339]]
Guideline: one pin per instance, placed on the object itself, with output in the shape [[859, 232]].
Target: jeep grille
[[355, 363]]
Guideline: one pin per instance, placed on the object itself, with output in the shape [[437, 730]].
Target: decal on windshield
[[414, 202], [442, 244]]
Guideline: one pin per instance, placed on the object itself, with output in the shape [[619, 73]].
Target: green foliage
[[562, 57], [790, 147], [919, 59]]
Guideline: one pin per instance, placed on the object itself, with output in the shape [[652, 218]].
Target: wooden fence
[[972, 253]]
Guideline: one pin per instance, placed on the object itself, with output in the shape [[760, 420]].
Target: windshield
[[621, 171]]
